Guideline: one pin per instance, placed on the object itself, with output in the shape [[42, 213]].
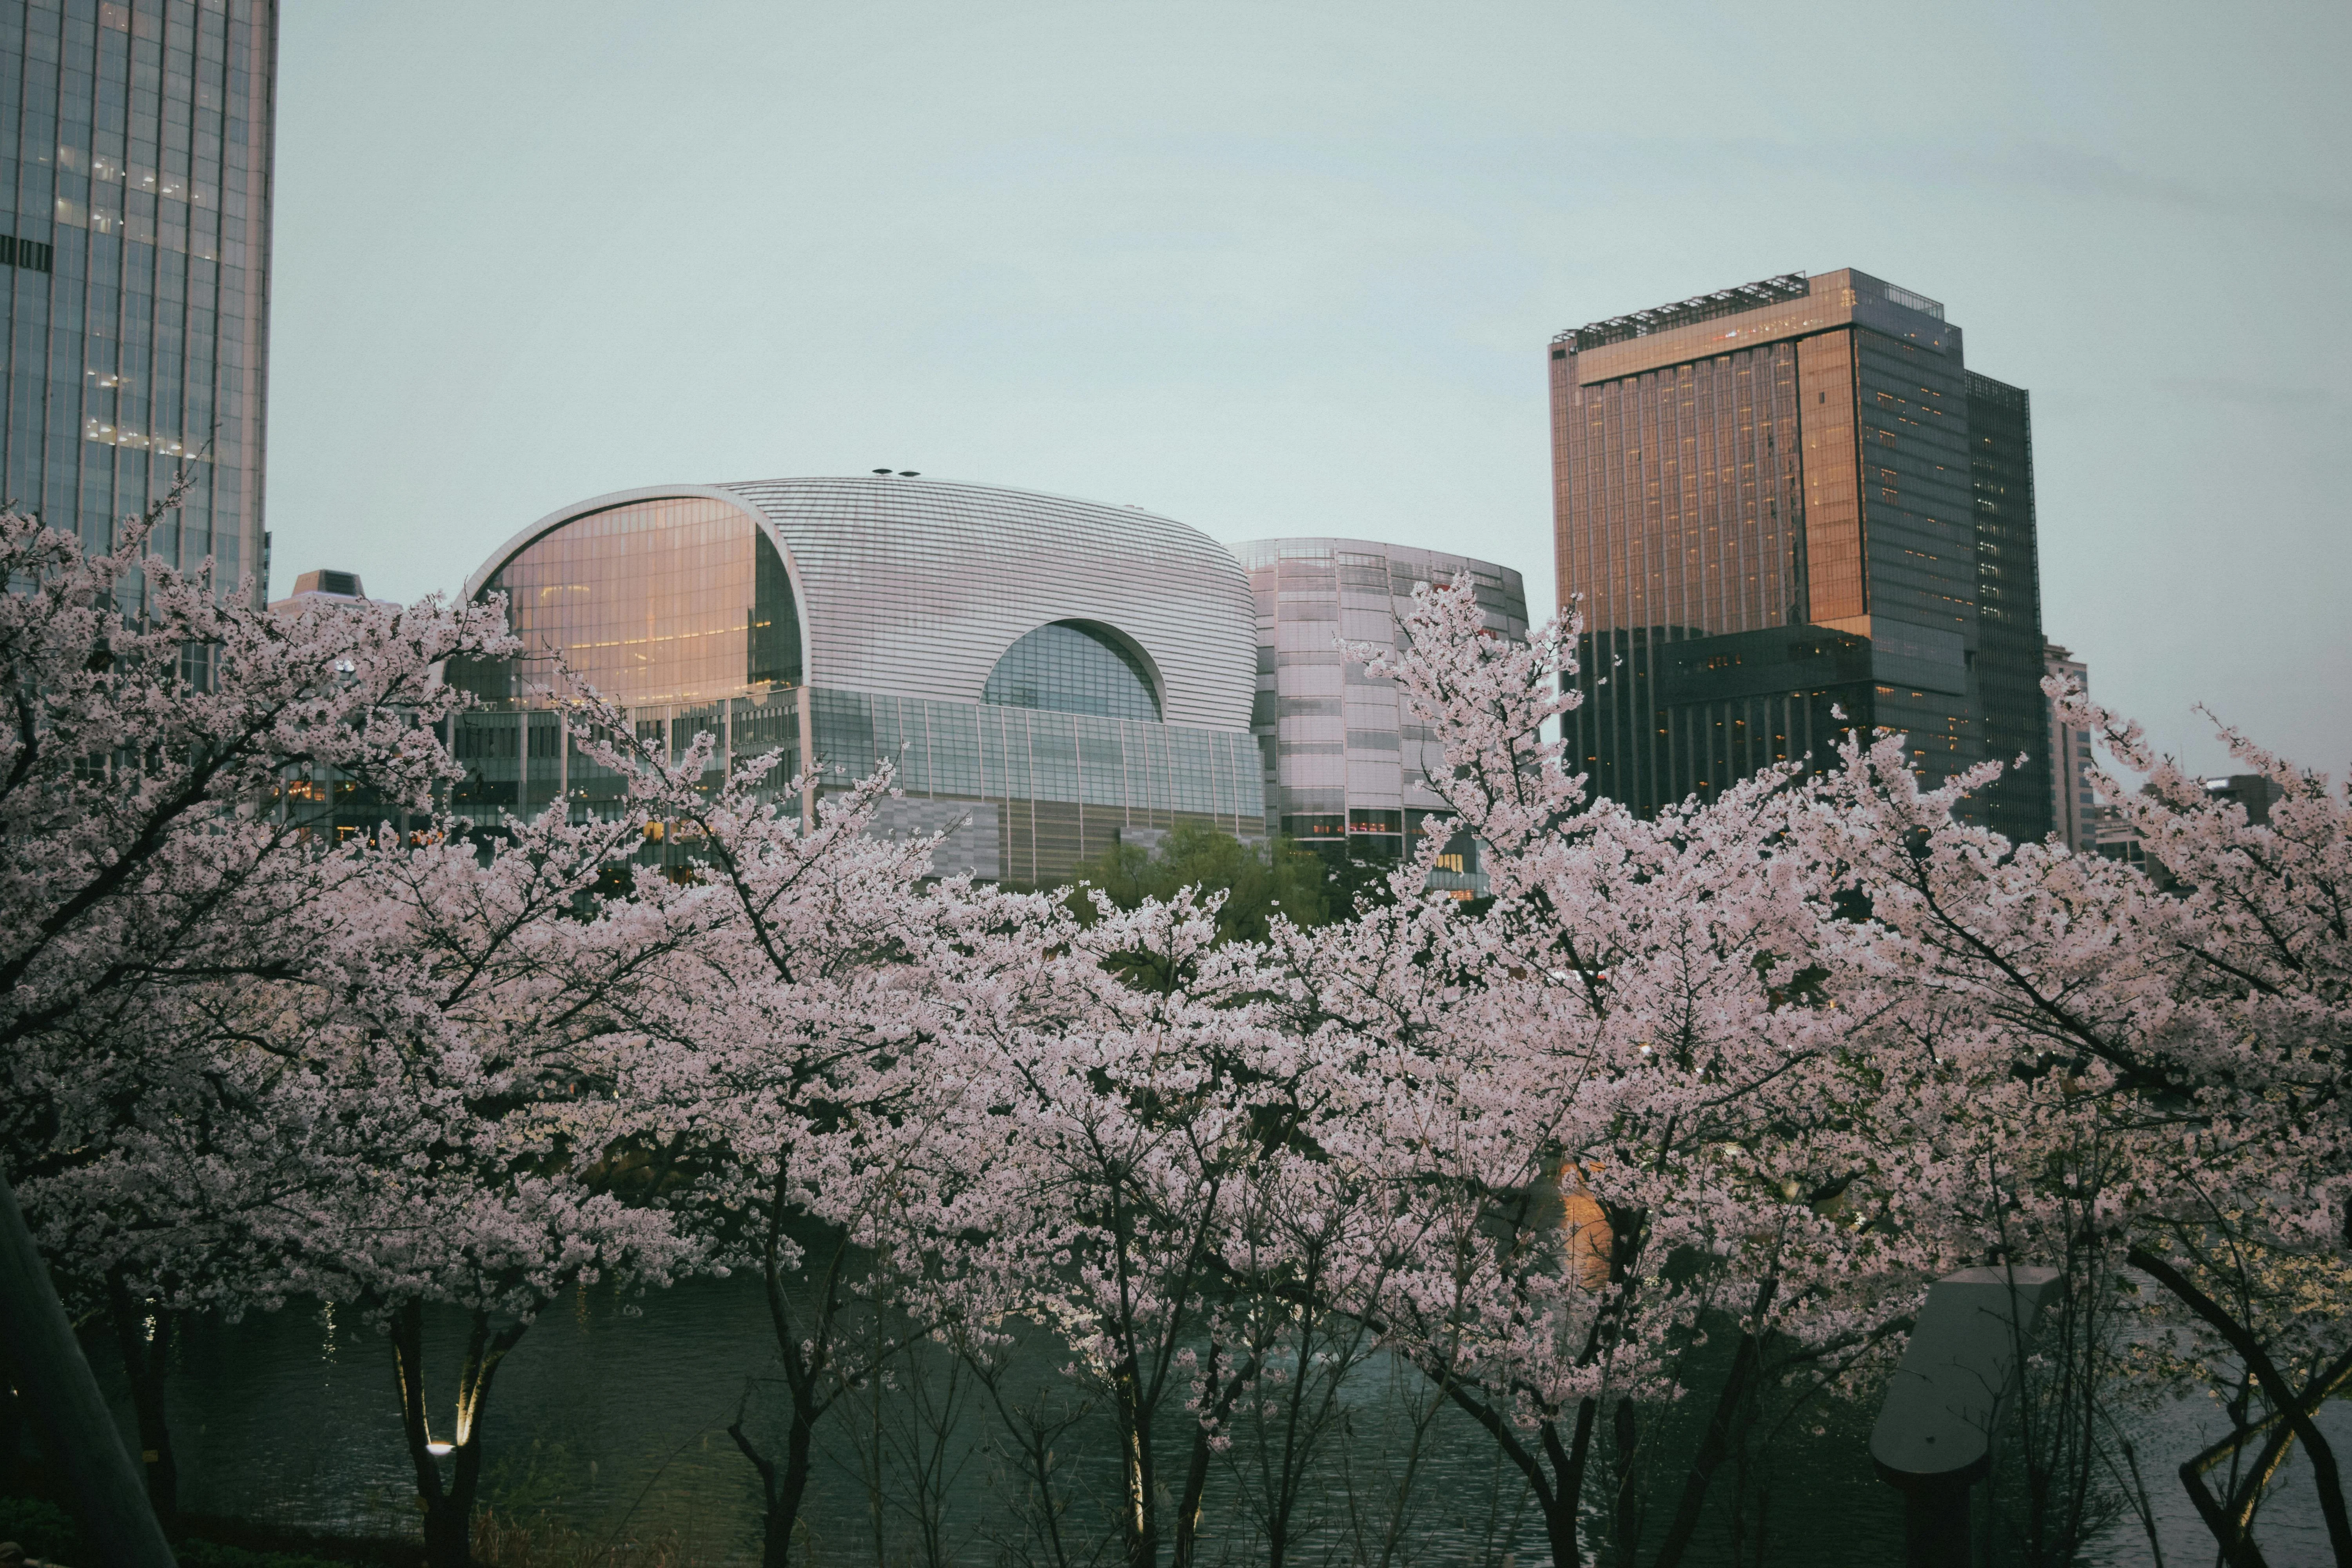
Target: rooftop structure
[[332, 587]]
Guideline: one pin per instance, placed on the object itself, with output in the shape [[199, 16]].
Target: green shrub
[[43, 1530]]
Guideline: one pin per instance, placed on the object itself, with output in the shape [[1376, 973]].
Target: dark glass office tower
[[2009, 658], [1768, 500], [137, 266]]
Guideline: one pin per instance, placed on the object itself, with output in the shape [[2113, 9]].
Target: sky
[[1292, 268]]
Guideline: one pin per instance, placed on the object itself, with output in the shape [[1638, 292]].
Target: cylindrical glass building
[[1343, 765]]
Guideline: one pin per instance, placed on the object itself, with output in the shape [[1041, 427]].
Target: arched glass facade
[[679, 600], [1069, 666], [1046, 675]]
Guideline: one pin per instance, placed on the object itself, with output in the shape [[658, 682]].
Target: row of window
[[31, 255]]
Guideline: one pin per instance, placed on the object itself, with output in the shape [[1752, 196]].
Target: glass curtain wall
[[1766, 534], [2011, 657], [1066, 784], [677, 600], [1073, 667], [1681, 507], [680, 610], [136, 265], [1346, 769]]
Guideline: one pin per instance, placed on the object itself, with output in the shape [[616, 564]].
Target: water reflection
[[617, 1424]]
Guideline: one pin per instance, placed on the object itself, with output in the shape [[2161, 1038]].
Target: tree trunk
[[1555, 1494], [1559, 1502], [1196, 1474], [448, 1505], [2282, 1394], [1627, 1514], [1140, 1520], [1560, 1531], [783, 1490], [146, 1361], [1718, 1441], [110, 1499], [780, 1491], [1187, 1506]]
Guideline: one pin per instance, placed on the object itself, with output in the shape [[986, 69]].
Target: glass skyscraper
[[1789, 510], [137, 266]]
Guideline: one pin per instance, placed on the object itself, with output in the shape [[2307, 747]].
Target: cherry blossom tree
[[2195, 1037], [1121, 1108], [801, 1085], [1693, 1110], [462, 1068], [1627, 1108], [149, 716]]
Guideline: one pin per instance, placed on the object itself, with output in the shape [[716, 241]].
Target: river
[[614, 1422]]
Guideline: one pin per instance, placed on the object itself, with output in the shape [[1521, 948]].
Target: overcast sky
[[1292, 268]]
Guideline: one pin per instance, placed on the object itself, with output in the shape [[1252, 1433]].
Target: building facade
[[2009, 664], [136, 263], [1048, 673], [2072, 804], [1780, 508], [1342, 767]]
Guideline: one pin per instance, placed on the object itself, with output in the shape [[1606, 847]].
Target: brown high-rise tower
[[1786, 502]]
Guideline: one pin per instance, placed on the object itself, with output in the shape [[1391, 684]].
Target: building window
[[1075, 667], [26, 253]]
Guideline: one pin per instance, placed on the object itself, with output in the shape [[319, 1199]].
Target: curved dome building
[[1052, 671]]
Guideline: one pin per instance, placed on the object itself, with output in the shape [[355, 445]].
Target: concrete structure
[[1784, 502], [1342, 767], [1051, 673], [136, 267]]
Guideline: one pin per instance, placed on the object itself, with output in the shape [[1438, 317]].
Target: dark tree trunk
[[146, 1359], [1187, 1506], [1718, 1441], [1221, 1399], [1557, 1488], [805, 1367], [1625, 1428], [2283, 1395], [448, 1505], [1139, 1519], [781, 1490]]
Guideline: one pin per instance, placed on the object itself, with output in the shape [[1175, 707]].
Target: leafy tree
[[1260, 883]]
